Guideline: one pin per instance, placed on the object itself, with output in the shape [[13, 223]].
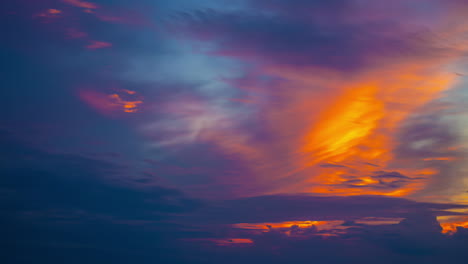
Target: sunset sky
[[234, 131]]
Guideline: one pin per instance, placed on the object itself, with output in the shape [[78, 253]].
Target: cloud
[[43, 182], [98, 45], [341, 35], [121, 100], [414, 240], [280, 208], [82, 4], [428, 140], [340, 101], [82, 207], [327, 83]]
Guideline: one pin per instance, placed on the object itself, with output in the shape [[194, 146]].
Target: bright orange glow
[[449, 224], [353, 117], [297, 228], [441, 159], [359, 128], [353, 128], [288, 224], [450, 228], [428, 171], [128, 106]]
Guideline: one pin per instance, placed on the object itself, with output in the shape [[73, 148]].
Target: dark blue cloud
[[280, 208], [333, 35], [62, 205], [69, 207]]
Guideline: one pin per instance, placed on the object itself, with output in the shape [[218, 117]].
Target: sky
[[248, 131]]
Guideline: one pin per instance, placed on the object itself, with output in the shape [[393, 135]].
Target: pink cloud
[[82, 4], [98, 45]]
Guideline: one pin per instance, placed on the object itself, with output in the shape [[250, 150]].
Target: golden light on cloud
[[344, 125], [335, 134], [352, 137], [360, 127], [296, 228], [288, 224], [344, 143], [127, 106], [450, 224]]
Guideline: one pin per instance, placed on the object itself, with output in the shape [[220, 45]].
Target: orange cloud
[[449, 225], [440, 159], [349, 121], [314, 116], [302, 224], [110, 103], [128, 106], [296, 228], [361, 124]]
